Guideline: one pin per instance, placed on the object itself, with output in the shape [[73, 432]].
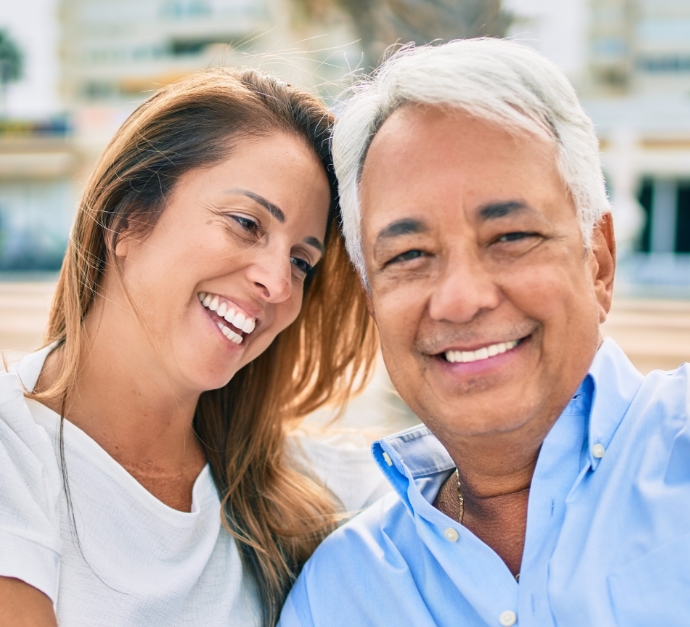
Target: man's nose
[[271, 274], [464, 289]]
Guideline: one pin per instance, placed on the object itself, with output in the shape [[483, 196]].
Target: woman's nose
[[271, 275]]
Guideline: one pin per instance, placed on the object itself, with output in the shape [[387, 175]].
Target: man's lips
[[481, 352]]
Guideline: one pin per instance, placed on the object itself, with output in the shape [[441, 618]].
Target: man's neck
[[495, 473], [499, 521]]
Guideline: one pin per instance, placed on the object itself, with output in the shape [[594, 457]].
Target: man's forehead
[[409, 122], [424, 158]]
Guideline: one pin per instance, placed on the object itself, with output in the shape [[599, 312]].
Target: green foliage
[[11, 60]]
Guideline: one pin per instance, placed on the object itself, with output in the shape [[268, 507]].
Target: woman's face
[[223, 271]]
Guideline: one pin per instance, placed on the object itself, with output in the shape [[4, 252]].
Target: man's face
[[487, 302]]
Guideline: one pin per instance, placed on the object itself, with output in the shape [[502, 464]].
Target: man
[[550, 484]]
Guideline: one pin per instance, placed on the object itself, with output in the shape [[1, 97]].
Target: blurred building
[[630, 61], [640, 101], [89, 63], [37, 159]]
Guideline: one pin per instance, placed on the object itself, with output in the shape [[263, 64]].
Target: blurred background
[[72, 70]]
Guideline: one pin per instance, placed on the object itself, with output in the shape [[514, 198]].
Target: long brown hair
[[277, 514]]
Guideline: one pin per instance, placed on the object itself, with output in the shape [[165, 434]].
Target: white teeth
[[239, 320], [225, 310], [230, 334], [480, 354]]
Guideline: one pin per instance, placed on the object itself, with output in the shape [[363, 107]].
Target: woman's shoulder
[[31, 485], [25, 444]]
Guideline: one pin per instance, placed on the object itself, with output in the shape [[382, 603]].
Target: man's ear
[[604, 251]]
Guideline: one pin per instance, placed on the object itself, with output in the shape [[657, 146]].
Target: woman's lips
[[232, 321], [229, 311]]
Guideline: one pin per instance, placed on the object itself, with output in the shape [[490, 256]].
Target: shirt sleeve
[[30, 487]]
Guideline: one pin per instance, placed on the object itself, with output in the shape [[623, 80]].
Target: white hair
[[492, 79]]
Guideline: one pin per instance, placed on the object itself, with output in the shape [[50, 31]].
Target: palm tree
[[11, 64], [381, 23]]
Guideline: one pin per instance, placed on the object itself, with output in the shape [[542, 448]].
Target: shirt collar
[[28, 369], [606, 392], [615, 382]]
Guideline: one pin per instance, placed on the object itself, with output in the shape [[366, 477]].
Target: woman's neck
[[127, 403]]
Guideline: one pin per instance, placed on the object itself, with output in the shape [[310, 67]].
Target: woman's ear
[[121, 248]]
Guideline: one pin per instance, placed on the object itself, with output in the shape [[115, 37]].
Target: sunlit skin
[[142, 377], [471, 239]]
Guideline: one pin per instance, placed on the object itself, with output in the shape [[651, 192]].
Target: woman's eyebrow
[[274, 210], [314, 242]]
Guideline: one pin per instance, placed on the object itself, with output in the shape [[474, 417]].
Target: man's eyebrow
[[406, 226], [494, 210], [312, 241], [274, 210]]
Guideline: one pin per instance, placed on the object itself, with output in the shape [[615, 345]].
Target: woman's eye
[[304, 268], [247, 223]]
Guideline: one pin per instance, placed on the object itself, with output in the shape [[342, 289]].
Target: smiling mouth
[[235, 325], [486, 352]]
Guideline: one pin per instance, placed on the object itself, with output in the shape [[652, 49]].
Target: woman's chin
[[211, 371]]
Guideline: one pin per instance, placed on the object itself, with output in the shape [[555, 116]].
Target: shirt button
[[598, 451], [451, 535], [507, 618]]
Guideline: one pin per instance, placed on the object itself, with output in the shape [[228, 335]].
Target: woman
[[205, 299]]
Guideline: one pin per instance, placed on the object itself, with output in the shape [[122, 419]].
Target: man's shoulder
[[347, 580], [381, 522], [666, 393], [656, 426]]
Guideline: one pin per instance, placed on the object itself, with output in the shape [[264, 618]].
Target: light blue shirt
[[608, 526]]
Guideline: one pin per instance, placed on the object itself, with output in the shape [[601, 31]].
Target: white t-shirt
[[134, 561]]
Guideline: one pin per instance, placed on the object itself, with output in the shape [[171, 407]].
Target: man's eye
[[513, 237], [304, 268], [407, 256]]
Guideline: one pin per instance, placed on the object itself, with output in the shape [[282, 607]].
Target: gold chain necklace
[[461, 498], [461, 501]]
